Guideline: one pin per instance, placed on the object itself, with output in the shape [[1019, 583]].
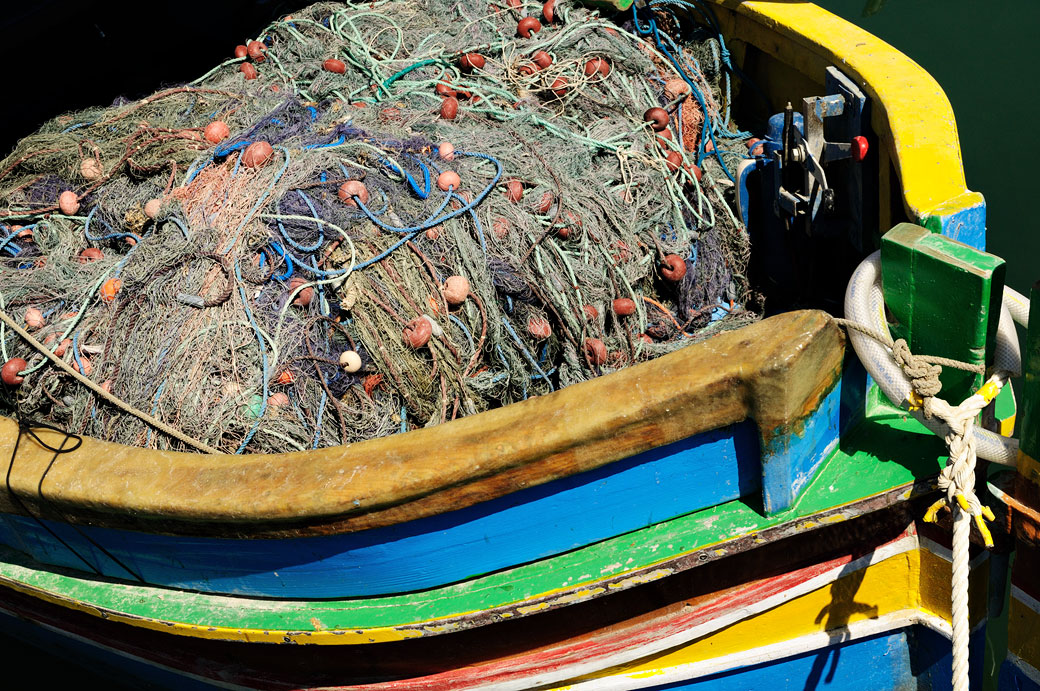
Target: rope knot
[[923, 376]]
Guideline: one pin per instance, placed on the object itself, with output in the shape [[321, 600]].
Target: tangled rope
[[378, 216]]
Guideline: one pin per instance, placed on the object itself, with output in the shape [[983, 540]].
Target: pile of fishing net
[[376, 217]]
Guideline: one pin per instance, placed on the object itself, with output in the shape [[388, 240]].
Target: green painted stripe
[[886, 452]]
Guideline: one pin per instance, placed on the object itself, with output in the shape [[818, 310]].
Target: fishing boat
[[745, 512]]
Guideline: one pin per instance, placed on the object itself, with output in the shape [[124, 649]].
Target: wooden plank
[[711, 468], [945, 297], [776, 372], [686, 638], [883, 458]]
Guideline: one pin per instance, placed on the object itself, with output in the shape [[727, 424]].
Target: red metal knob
[[859, 148]]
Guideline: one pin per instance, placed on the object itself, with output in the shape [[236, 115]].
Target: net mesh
[[340, 284]]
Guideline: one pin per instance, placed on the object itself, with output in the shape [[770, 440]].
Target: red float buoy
[[335, 66], [542, 59], [528, 26], [248, 71], [472, 61], [545, 203], [111, 288], [450, 108], [448, 179], [514, 190], [455, 290], [500, 227], [216, 132], [657, 117], [256, 50], [257, 154], [673, 267], [597, 65], [417, 332], [549, 11], [68, 202], [241, 51], [595, 351], [539, 328], [623, 307], [90, 254], [9, 373], [350, 189], [559, 87], [304, 297]]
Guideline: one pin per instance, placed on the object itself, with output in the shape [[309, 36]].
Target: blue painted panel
[[880, 662], [1014, 679], [967, 225], [790, 460], [648, 488], [910, 658]]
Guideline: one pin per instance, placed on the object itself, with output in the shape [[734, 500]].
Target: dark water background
[[63, 56]]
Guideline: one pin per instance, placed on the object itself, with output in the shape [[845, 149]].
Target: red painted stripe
[[604, 646]]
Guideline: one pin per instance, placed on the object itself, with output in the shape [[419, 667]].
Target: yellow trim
[[1023, 625], [913, 580], [910, 112], [1007, 427], [1028, 467]]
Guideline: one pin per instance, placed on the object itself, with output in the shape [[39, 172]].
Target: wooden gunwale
[[774, 372], [613, 566]]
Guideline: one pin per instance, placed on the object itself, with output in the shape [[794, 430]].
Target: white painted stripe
[[130, 656], [1025, 598], [559, 674], [1028, 670], [776, 651]]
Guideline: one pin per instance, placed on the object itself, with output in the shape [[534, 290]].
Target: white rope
[[957, 479]]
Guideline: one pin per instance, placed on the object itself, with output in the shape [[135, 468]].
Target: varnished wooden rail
[[774, 372]]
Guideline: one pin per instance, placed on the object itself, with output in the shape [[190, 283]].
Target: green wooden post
[[945, 298], [1029, 438]]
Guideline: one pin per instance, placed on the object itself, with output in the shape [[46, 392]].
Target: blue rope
[[155, 409], [526, 352], [650, 29], [458, 322], [110, 235]]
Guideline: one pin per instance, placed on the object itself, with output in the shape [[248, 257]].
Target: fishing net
[[378, 216]]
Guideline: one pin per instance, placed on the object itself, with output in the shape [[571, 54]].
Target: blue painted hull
[[695, 473], [911, 658], [702, 471]]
